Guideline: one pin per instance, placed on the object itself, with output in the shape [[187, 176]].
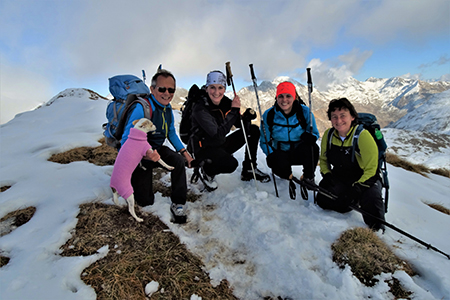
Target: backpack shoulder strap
[[329, 138], [355, 146], [270, 117], [133, 99], [301, 117]]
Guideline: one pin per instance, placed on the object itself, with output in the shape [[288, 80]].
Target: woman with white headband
[[213, 116]]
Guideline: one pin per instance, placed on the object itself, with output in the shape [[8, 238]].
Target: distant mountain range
[[397, 102], [389, 99]]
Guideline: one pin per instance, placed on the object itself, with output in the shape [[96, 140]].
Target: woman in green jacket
[[355, 180]]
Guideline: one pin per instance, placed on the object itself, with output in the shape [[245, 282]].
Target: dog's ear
[[135, 121]]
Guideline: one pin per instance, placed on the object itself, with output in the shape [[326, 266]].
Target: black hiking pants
[[304, 154], [221, 158], [371, 201], [142, 179]]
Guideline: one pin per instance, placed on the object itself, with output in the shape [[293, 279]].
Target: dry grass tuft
[[102, 155], [442, 172], [402, 163], [16, 219], [367, 257], [439, 207], [139, 253], [3, 260], [4, 188], [11, 221], [397, 161]]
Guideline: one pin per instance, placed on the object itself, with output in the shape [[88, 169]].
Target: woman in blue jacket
[[289, 142]]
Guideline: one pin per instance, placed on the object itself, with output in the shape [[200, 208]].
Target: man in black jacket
[[213, 116]]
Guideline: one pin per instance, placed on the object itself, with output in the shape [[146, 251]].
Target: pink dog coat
[[130, 154]]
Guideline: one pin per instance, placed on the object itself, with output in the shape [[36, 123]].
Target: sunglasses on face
[[163, 90]]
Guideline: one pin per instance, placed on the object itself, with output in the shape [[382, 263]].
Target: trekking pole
[[310, 90], [262, 122], [326, 193], [230, 81]]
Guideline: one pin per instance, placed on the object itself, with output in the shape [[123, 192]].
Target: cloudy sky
[[47, 46]]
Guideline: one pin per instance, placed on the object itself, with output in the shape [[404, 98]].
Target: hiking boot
[[208, 181], [247, 175], [178, 212]]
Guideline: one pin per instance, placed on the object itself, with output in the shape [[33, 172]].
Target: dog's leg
[[163, 163], [170, 168], [115, 196], [130, 202]]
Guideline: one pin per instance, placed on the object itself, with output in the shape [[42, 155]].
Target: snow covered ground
[[263, 245]]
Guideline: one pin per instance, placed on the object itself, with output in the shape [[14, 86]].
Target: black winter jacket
[[211, 123]]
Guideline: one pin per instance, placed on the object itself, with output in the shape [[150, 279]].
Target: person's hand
[[249, 115], [188, 158], [236, 102], [152, 155], [308, 138], [355, 192]]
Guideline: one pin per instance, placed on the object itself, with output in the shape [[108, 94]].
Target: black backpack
[[370, 123], [185, 131], [128, 90]]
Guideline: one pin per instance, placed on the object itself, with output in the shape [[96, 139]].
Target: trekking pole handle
[[310, 87], [229, 76], [252, 72]]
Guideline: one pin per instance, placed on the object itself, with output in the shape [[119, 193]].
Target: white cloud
[[337, 70], [21, 90], [78, 43]]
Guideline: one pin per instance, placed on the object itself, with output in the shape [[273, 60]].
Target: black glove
[[355, 192], [249, 115], [327, 181], [308, 138]]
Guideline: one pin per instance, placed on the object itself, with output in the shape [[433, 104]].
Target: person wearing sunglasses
[[287, 138], [213, 116], [163, 85]]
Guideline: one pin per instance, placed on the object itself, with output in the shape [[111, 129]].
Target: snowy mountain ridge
[[389, 99]]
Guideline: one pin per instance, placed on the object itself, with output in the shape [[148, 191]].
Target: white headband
[[216, 77]]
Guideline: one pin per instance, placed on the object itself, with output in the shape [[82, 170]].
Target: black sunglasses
[[163, 90]]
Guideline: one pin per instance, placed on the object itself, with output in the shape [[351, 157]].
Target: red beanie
[[286, 88]]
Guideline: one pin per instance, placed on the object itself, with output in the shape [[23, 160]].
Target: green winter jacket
[[338, 161]]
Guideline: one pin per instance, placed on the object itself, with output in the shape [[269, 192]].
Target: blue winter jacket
[[286, 129], [162, 118]]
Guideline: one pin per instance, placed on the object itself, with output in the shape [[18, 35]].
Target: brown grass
[[101, 156], [16, 219], [4, 188], [138, 254], [10, 222], [397, 161], [439, 207], [367, 257], [3, 260]]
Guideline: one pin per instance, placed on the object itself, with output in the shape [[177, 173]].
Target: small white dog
[[130, 154]]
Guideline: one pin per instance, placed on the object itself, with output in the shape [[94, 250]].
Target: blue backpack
[[370, 123], [127, 90]]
